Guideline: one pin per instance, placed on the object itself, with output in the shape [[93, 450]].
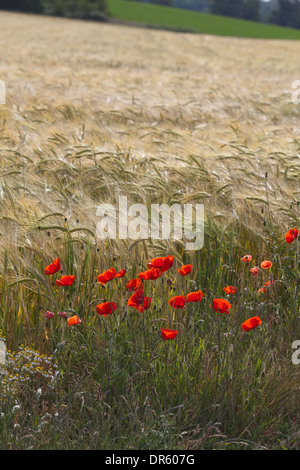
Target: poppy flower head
[[251, 323], [151, 274], [136, 299], [53, 268], [146, 305], [121, 273], [178, 301], [268, 283], [62, 314], [194, 296], [168, 334], [262, 290], [107, 276], [185, 270], [65, 280], [246, 258], [229, 290], [254, 271], [266, 264], [163, 263], [75, 320], [106, 308], [49, 314], [292, 235], [221, 306], [134, 284]]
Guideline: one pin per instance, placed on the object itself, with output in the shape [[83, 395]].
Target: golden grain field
[[78, 91]]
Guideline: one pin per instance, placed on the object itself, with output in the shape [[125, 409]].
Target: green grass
[[121, 387], [184, 20]]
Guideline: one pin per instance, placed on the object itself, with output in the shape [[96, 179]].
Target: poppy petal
[[53, 268], [168, 334]]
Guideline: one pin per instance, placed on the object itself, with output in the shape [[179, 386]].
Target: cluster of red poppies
[[255, 321], [255, 271], [290, 237], [156, 268]]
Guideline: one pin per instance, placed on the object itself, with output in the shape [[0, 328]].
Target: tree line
[[93, 9], [281, 12]]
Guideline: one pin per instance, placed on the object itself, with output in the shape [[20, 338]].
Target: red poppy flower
[[221, 306], [121, 273], [251, 323], [65, 280], [254, 271], [168, 334], [49, 315], [107, 276], [134, 284], [185, 270], [151, 274], [246, 258], [194, 296], [229, 290], [62, 314], [75, 320], [268, 283], [163, 263], [292, 235], [262, 290], [106, 308], [178, 301], [266, 264], [146, 305], [53, 267], [136, 299]]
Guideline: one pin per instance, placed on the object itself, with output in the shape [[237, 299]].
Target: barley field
[[94, 111]]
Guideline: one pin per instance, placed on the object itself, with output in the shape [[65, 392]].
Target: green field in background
[[185, 20]]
